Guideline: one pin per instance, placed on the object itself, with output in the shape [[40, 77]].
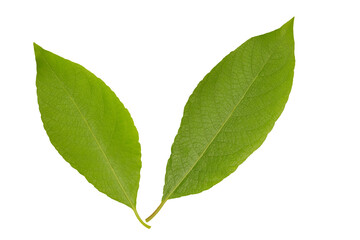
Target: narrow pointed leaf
[[230, 113], [89, 126]]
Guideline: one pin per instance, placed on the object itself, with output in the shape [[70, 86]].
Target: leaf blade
[[206, 150], [89, 126]]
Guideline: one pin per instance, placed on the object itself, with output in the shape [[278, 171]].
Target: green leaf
[[230, 113], [89, 127]]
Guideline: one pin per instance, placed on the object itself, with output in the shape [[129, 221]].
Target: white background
[[302, 183]]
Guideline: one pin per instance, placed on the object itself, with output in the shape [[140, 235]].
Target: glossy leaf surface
[[89, 126], [230, 113]]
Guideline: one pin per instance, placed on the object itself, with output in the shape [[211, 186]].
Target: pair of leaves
[[227, 117]]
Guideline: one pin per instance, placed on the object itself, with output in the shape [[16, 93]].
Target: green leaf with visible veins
[[230, 113], [89, 127]]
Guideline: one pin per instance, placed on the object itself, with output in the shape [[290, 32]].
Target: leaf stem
[[156, 211], [140, 220]]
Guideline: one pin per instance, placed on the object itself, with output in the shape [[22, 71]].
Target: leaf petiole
[[156, 211], [140, 220]]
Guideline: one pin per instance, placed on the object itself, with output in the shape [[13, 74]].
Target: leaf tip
[[289, 24], [288, 28], [37, 48], [291, 21], [35, 45]]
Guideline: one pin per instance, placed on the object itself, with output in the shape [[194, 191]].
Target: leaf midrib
[[92, 133], [216, 134]]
